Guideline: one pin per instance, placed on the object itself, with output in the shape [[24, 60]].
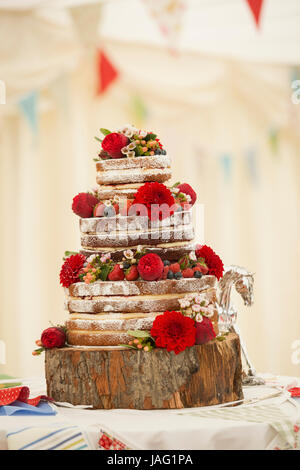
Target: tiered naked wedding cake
[[141, 293]]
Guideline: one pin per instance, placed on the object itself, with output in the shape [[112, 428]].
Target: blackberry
[[170, 275], [126, 265], [158, 152], [178, 275], [198, 274], [166, 263], [163, 152]]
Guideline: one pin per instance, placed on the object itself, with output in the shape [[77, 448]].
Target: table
[[266, 423]]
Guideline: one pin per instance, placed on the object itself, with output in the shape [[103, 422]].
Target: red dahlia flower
[[158, 200], [212, 260], [83, 204], [173, 331], [204, 331], [113, 144], [71, 268]]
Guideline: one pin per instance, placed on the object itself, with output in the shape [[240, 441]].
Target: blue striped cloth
[[55, 437]]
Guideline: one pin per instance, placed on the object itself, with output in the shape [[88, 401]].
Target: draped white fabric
[[226, 117]]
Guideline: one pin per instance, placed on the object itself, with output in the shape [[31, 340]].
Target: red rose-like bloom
[[187, 189], [173, 331], [70, 269], [204, 331], [212, 260], [83, 204], [53, 338], [150, 267], [113, 144], [157, 198]]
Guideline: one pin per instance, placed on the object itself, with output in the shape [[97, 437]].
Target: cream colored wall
[[201, 108]]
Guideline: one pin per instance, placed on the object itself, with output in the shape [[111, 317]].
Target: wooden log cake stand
[[202, 375]]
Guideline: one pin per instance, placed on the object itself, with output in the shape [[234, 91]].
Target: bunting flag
[[226, 163], [139, 110], [107, 72], [168, 15], [28, 106], [274, 140], [251, 165], [256, 7]]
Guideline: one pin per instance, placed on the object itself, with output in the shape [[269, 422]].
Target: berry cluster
[[188, 266]]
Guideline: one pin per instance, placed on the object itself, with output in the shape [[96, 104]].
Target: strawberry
[[125, 206], [175, 267], [117, 274], [188, 272], [165, 273], [187, 189], [116, 207], [132, 273], [99, 209]]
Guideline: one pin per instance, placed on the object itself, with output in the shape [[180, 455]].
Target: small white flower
[[188, 198], [207, 311], [105, 258], [131, 146], [200, 298], [139, 248], [199, 318], [184, 303], [91, 258], [131, 154], [128, 254], [125, 150], [193, 256], [175, 190], [143, 133], [121, 266], [196, 308]]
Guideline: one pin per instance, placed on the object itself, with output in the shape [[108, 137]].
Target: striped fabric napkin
[[52, 437]]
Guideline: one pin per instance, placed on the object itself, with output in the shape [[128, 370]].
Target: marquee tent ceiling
[[218, 27]]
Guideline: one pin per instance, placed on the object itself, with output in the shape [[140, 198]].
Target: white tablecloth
[[171, 429]]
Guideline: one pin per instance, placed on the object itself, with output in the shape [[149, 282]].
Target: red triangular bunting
[[107, 72], [255, 6]]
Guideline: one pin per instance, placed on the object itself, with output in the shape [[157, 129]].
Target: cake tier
[[101, 313], [123, 191], [133, 170], [129, 231], [167, 251]]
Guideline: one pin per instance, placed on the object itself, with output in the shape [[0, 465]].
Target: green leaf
[[139, 333], [150, 136], [69, 253], [99, 140], [105, 270], [176, 184], [105, 131]]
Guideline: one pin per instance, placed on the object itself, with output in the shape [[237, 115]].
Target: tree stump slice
[[202, 375]]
